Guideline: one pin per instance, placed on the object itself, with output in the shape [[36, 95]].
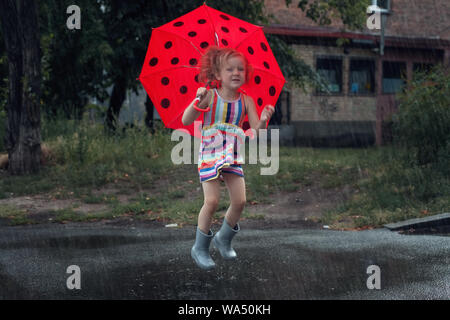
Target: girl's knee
[[211, 203], [239, 204]]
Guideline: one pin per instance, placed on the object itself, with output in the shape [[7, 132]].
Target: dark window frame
[[374, 81], [405, 75], [317, 92]]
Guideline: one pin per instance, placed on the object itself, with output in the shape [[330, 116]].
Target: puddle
[[75, 242]]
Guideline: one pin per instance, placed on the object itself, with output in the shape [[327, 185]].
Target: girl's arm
[[255, 122], [190, 114]]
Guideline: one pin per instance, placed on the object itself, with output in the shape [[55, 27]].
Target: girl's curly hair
[[212, 61]]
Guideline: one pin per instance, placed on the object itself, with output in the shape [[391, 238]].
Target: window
[[382, 4], [394, 74], [282, 114], [331, 70], [362, 76]]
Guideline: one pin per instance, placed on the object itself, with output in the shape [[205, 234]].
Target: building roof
[[411, 23]]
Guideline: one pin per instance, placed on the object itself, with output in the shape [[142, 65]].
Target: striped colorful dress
[[222, 138]]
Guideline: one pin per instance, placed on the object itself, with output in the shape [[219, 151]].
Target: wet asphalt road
[[142, 262]]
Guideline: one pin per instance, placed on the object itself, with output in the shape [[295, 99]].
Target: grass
[[138, 164], [14, 215]]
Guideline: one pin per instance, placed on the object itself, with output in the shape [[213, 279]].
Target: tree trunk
[[115, 103], [149, 115], [20, 29]]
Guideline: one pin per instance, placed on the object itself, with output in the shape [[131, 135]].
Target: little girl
[[224, 108]]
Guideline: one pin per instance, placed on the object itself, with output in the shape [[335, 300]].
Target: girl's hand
[[267, 113], [202, 93]]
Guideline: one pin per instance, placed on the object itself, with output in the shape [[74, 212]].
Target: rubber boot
[[200, 250], [222, 240]]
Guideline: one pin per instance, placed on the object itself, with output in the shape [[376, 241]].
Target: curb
[[419, 223]]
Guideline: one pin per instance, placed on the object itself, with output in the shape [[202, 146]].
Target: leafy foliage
[[422, 124], [351, 12], [73, 60]]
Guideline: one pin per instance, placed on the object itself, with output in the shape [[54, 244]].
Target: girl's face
[[232, 73]]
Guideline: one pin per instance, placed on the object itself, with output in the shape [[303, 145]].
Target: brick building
[[364, 76]]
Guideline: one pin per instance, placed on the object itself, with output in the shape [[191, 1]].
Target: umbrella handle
[[196, 101]]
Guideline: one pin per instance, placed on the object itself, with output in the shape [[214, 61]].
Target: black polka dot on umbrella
[[224, 17], [224, 42], [250, 50], [165, 103], [174, 61], [178, 24], [225, 29], [260, 102], [183, 89], [192, 34], [272, 91], [153, 61], [196, 78], [257, 79], [243, 30], [204, 45], [193, 62], [201, 21], [168, 45], [266, 65], [263, 46], [165, 81]]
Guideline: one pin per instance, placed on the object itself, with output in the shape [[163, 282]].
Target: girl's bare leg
[[236, 189], [211, 192]]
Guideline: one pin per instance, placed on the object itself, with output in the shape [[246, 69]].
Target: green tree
[[422, 123], [352, 13], [74, 61]]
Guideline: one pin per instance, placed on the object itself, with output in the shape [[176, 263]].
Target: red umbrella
[[170, 71]]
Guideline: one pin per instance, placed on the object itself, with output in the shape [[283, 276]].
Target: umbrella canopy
[[171, 67]]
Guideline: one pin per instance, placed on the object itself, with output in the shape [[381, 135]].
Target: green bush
[[422, 124]]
